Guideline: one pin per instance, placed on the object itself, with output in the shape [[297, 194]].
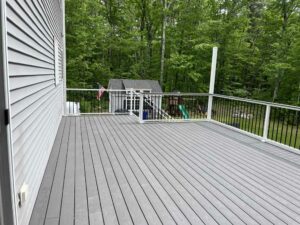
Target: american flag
[[100, 93]]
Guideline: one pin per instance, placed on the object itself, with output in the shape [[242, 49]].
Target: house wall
[[7, 209], [34, 28]]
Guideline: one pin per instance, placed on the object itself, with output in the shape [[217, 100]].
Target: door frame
[[7, 190]]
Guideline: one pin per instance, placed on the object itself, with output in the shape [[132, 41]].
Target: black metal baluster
[[292, 129], [245, 116], [233, 117], [230, 112], [253, 106], [192, 109], [238, 114], [277, 129], [88, 95], [273, 120], [223, 111], [260, 119], [215, 109], [287, 126], [117, 102], [282, 127], [249, 115], [73, 103], [233, 113], [93, 103], [157, 106], [297, 128], [218, 110], [247, 121], [227, 111], [241, 115], [196, 115], [193, 116], [255, 115]]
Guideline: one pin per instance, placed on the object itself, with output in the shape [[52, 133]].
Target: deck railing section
[[239, 113], [98, 101], [270, 121], [173, 107], [284, 126]]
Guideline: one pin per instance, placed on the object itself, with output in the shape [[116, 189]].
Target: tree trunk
[[163, 43], [142, 29], [298, 99], [283, 49]]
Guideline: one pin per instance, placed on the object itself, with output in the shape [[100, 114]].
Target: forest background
[[171, 41]]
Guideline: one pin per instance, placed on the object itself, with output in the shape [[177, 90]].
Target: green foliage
[[258, 40]]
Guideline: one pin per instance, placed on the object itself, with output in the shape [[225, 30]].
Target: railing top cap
[[271, 104], [277, 105]]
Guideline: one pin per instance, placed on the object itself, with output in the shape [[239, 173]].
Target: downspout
[[8, 194]]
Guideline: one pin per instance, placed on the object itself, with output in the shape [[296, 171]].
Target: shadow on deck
[[112, 170]]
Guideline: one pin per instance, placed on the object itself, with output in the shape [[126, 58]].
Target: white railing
[[268, 121], [271, 122], [95, 101], [174, 107], [276, 123]]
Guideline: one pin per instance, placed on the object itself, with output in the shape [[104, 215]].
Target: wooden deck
[[112, 170]]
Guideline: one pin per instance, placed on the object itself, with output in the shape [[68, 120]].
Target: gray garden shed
[[119, 97]]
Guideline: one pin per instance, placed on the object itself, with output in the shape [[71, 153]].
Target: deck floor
[[112, 170]]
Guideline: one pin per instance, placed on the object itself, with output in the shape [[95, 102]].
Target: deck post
[[212, 82], [267, 122], [131, 102], [141, 108]]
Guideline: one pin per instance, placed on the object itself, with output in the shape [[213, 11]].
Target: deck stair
[[158, 112]]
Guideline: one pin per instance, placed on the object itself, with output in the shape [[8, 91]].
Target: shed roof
[[122, 84]]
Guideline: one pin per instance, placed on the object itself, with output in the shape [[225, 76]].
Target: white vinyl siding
[[35, 67]]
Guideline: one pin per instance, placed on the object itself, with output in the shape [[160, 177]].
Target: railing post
[[267, 122], [212, 82], [141, 108], [131, 102]]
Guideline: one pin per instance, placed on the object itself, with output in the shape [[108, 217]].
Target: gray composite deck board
[[113, 170], [259, 145], [81, 197]]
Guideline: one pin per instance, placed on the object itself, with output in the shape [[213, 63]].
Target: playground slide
[[183, 111]]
